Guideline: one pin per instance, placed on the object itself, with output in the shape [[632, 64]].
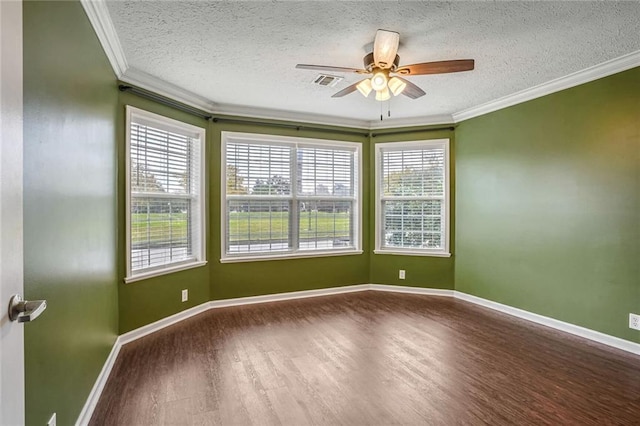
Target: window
[[412, 198], [165, 202], [289, 197]]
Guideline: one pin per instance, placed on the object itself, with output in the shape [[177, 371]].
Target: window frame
[[199, 249], [378, 174], [229, 137]]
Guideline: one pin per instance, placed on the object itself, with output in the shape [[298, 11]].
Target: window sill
[[159, 272], [412, 253], [289, 256]]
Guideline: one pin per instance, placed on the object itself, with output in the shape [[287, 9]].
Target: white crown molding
[[153, 84], [282, 115], [587, 333], [394, 123], [595, 72], [100, 19]]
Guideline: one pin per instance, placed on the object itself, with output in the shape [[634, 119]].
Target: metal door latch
[[25, 310]]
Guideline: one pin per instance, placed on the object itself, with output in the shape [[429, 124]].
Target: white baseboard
[[98, 386], [203, 307], [411, 290], [130, 336], [96, 391], [286, 296], [587, 333]]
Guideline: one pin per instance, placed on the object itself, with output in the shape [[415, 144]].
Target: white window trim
[[227, 137], [199, 257], [432, 143]]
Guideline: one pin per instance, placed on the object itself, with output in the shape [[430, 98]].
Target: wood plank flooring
[[368, 358]]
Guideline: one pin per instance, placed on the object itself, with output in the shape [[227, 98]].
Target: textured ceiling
[[244, 53]]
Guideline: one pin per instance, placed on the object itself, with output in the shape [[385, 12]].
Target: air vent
[[326, 80]]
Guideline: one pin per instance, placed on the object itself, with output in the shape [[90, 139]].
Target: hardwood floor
[[368, 358]]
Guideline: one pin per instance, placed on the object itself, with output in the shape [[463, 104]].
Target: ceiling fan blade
[[440, 67], [412, 91], [330, 68], [346, 90], [385, 47]]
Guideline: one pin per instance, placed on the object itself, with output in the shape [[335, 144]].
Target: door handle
[[25, 310]]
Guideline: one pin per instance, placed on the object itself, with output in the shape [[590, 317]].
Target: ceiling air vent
[[326, 80]]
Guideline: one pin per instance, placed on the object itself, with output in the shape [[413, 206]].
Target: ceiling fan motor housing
[[369, 63]]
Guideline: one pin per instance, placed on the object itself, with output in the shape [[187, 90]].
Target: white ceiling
[[243, 54]]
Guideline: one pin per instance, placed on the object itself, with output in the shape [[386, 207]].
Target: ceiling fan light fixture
[[383, 95], [379, 81], [396, 86], [383, 61], [385, 47], [364, 87]]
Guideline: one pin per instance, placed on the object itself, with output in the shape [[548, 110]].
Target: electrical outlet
[[401, 275], [185, 295], [52, 420], [634, 321]]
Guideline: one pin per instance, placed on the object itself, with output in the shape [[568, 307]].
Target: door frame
[[12, 390]]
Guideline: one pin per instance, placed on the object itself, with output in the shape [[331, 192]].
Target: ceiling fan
[[383, 62]]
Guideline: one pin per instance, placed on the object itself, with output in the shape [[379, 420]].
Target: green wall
[[230, 280], [69, 208], [548, 196], [421, 271], [149, 300], [143, 302]]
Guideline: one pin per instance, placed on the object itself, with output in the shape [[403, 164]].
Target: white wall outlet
[[634, 321], [52, 420], [185, 295], [401, 275]]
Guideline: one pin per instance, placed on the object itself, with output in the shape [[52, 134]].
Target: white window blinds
[[165, 192], [258, 187], [285, 196], [413, 196], [326, 195]]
